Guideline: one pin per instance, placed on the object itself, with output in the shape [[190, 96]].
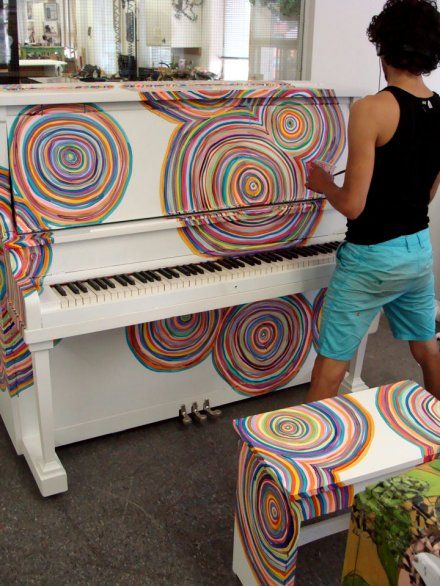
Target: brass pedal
[[197, 415], [184, 417], [212, 413]]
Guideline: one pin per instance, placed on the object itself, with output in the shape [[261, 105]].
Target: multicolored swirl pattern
[[268, 521], [239, 150], [262, 345], [260, 228], [70, 165], [256, 348], [176, 343], [413, 413], [29, 258], [310, 444]]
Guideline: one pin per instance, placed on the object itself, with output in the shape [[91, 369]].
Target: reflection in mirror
[[159, 39]]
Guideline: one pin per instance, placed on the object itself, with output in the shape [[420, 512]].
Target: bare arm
[[434, 188], [350, 199]]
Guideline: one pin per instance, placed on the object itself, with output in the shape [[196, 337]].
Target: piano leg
[[39, 438], [353, 381]]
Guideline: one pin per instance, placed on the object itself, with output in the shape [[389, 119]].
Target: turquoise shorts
[[397, 276]]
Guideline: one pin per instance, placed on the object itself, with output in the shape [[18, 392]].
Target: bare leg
[[327, 377], [427, 354]]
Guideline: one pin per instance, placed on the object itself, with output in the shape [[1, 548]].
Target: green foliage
[[381, 513], [283, 7]]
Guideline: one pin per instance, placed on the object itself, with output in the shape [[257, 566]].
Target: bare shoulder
[[376, 106]]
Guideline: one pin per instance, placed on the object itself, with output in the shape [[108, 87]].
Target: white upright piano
[[160, 253]]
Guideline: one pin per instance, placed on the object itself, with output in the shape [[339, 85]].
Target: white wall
[[338, 55]]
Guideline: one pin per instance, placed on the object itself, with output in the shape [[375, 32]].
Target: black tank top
[[405, 169]]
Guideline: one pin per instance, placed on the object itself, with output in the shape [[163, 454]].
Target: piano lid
[[170, 150]]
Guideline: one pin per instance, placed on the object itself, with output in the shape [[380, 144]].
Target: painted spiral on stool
[[68, 166], [413, 413], [318, 440], [262, 345], [267, 522], [176, 343]]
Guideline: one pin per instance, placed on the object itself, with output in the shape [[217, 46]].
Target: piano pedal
[[184, 417], [212, 413], [197, 415]]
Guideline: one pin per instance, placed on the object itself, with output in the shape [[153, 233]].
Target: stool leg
[[260, 557]]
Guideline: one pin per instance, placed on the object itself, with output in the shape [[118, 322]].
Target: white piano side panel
[[101, 387], [109, 246]]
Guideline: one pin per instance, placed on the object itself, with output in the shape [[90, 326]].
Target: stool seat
[[303, 462]]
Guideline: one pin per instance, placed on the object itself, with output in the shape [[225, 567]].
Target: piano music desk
[[300, 463]]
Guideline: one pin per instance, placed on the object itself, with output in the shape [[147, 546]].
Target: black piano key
[[73, 288], [174, 273], [153, 274], [198, 269], [129, 280], [262, 256], [94, 285], [165, 273], [276, 255], [208, 267], [81, 286], [248, 260], [224, 263], [60, 290], [233, 262], [108, 282], [215, 266], [239, 262], [120, 280], [147, 276], [102, 284], [302, 252], [256, 260], [183, 271], [286, 254], [140, 278]]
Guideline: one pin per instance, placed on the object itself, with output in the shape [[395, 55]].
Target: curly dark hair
[[407, 35]]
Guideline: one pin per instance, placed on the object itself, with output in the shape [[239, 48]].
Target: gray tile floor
[[153, 505]]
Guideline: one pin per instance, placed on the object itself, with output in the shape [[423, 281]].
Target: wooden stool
[[300, 463]]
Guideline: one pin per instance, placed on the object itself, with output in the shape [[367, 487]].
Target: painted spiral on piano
[[262, 346], [6, 220], [17, 368], [268, 522], [69, 166], [253, 154], [310, 443], [317, 314], [176, 343], [413, 413], [250, 230]]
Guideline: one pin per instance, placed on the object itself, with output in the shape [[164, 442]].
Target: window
[[154, 39]]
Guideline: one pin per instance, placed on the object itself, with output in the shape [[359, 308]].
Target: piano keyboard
[[115, 287]]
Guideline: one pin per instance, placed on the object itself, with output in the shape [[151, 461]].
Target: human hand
[[319, 179]]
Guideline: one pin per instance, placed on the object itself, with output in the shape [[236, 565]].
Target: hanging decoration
[[186, 8]]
